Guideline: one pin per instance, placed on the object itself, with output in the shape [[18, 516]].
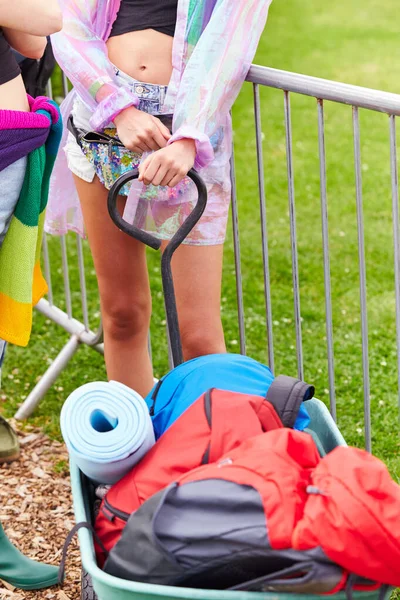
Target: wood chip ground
[[36, 512]]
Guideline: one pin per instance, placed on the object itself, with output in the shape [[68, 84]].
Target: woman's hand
[[139, 131], [169, 165]]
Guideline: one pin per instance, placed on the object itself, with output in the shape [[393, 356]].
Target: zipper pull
[[108, 514], [313, 490], [154, 397]]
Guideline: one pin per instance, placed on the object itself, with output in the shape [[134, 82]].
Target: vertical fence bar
[[47, 269], [363, 279], [238, 268], [293, 237], [67, 289], [65, 84], [325, 246], [45, 247], [264, 230], [396, 237], [49, 89], [82, 282]]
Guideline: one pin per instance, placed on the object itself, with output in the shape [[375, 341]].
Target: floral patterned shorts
[[158, 209]]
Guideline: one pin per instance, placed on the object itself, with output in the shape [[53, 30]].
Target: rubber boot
[[9, 445], [22, 572]]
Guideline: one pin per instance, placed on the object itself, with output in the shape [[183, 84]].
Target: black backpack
[[36, 73]]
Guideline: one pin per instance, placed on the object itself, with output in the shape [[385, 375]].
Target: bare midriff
[[144, 55], [13, 95]]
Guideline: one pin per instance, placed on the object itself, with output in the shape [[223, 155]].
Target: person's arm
[[210, 84], [30, 46], [37, 17], [216, 71], [83, 57]]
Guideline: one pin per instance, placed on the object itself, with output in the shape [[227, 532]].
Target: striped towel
[[22, 284]]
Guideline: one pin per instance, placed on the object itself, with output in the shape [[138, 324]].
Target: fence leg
[[48, 378]]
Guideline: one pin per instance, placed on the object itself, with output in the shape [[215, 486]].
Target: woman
[[132, 62], [24, 25]]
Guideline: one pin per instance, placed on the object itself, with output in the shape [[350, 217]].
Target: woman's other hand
[[139, 131], [169, 165]]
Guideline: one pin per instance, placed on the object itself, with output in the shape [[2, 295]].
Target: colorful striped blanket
[[36, 134]]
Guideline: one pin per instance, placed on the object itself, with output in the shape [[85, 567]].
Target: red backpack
[[354, 516], [217, 422], [269, 516]]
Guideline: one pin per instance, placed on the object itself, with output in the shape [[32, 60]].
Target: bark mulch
[[36, 511]]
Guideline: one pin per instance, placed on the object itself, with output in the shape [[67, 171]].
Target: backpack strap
[[70, 536], [286, 394]]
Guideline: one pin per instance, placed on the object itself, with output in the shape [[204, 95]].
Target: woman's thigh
[[119, 260], [11, 180], [197, 275]]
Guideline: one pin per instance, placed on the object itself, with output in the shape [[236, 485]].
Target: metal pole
[[264, 230], [363, 279], [238, 268], [48, 378], [82, 282], [293, 236], [325, 89], [47, 268], [67, 289], [396, 237], [327, 270]]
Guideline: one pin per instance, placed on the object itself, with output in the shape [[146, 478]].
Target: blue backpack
[[177, 390]]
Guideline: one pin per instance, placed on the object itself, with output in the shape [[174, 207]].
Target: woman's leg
[[120, 264], [197, 274]]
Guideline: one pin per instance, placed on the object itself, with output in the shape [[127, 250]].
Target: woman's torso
[[145, 54], [12, 90]]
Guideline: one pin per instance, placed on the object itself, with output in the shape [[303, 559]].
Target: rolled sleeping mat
[[107, 429]]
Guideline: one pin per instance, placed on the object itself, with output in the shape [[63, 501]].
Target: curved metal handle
[[153, 242], [143, 236]]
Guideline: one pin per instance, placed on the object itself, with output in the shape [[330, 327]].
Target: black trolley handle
[[155, 243]]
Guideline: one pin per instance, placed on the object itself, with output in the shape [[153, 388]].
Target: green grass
[[353, 41]]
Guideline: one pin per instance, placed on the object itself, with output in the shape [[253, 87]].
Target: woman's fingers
[[165, 132], [162, 174], [149, 169], [168, 177], [158, 138], [152, 144], [141, 148], [175, 180]]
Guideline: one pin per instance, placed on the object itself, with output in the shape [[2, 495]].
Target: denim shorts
[[96, 159], [11, 180]]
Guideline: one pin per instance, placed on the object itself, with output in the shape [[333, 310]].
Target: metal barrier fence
[[289, 83]]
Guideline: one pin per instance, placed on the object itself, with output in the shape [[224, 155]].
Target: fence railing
[[290, 83]]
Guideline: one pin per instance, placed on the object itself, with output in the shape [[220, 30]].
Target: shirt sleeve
[[216, 70], [83, 57]]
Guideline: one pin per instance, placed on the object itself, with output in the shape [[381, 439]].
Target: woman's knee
[[200, 338], [126, 318]]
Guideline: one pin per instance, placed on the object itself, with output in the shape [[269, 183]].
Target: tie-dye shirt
[[214, 45]]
